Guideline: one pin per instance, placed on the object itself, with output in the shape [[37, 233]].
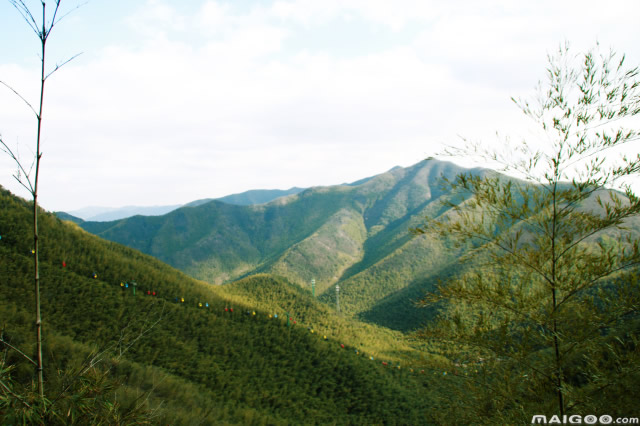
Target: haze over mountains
[[353, 235], [102, 214]]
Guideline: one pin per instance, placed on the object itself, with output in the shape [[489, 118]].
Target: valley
[[356, 236], [212, 354], [208, 311]]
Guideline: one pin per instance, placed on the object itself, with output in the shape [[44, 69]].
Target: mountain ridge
[[108, 214], [349, 234]]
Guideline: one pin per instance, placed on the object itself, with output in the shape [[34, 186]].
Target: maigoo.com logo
[[576, 419]]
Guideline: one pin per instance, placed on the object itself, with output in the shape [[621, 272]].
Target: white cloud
[[394, 15], [155, 19], [214, 17], [219, 100]]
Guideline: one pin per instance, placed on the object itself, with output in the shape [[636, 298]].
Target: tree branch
[[8, 150], [62, 64], [26, 15], [18, 397], [4, 342], [20, 96]]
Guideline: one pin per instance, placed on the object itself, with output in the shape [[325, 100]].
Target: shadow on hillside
[[399, 311]]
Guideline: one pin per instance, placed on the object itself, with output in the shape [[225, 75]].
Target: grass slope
[[205, 365]]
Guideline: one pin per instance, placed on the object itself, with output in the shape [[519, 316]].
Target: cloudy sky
[[173, 101]]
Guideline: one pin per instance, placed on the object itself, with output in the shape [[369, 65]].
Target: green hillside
[[203, 365], [218, 242], [253, 196], [275, 294], [354, 235]]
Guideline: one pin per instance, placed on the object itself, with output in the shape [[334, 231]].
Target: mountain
[[69, 217], [247, 198], [222, 356], [353, 235], [202, 363], [102, 214], [106, 214]]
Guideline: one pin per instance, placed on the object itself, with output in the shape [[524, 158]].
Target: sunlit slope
[[276, 295], [326, 254], [211, 365], [217, 241], [327, 233]]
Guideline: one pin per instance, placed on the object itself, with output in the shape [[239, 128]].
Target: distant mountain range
[[105, 214], [353, 235], [100, 214]]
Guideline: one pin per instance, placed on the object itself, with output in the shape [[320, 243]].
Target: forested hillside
[[253, 196], [260, 350], [207, 354], [354, 235]]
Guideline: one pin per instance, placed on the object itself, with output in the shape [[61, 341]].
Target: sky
[[172, 101]]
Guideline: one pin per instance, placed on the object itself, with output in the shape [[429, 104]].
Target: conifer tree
[[546, 306]]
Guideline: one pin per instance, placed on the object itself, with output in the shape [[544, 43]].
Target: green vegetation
[[542, 317], [355, 236], [186, 364], [275, 294], [217, 241], [551, 300], [255, 196]]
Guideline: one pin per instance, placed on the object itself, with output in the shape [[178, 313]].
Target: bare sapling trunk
[[35, 216], [23, 176]]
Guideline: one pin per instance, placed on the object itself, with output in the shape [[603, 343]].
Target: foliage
[[80, 397], [551, 303], [276, 294], [198, 364], [352, 235], [257, 196]]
